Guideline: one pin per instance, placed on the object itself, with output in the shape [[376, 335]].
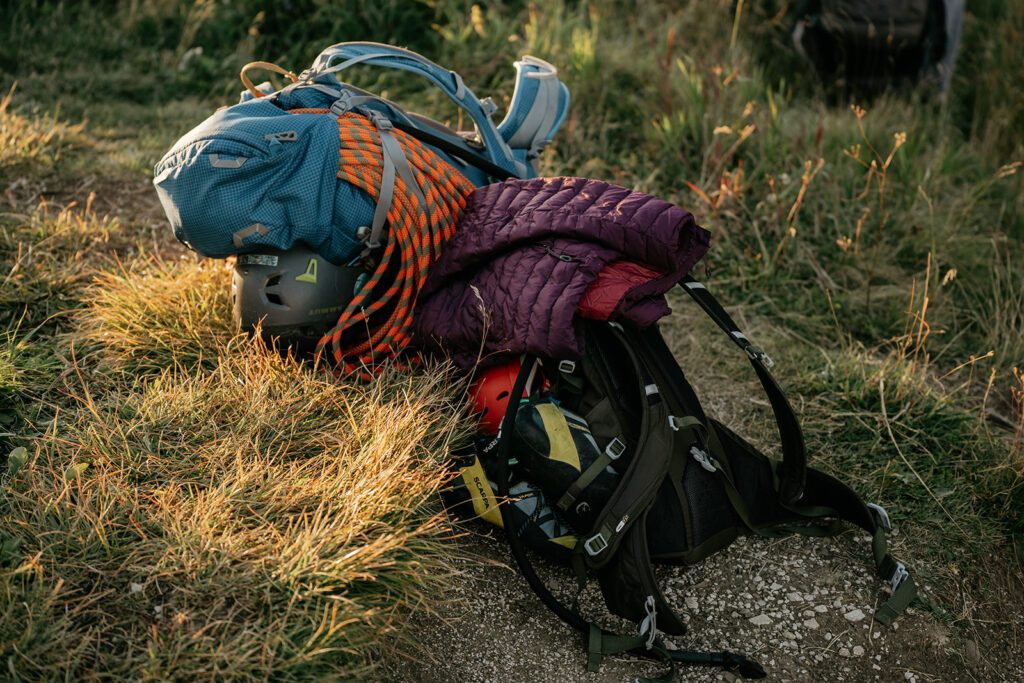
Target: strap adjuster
[[881, 516], [567, 366], [379, 120], [702, 457], [595, 544], [675, 423], [755, 353], [615, 448], [899, 575]]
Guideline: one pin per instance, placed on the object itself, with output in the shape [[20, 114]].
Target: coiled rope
[[375, 325]]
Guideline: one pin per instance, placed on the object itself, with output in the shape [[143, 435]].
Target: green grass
[[283, 521]]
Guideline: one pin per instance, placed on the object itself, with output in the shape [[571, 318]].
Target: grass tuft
[[262, 520], [37, 140], [156, 314]]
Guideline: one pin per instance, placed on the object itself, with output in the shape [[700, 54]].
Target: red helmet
[[489, 393]]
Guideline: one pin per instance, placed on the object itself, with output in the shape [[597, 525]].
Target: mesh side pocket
[[710, 509]]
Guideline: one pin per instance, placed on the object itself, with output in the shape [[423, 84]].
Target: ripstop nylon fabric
[[375, 325]]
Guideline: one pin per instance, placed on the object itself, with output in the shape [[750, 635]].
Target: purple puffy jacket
[[528, 252]]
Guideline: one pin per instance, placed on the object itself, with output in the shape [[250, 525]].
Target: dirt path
[[790, 604]]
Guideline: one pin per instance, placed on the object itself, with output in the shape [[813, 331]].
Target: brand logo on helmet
[[310, 274]]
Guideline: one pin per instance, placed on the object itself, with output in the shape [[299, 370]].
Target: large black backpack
[[867, 46], [617, 466]]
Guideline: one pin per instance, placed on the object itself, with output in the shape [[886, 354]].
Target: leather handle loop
[[269, 66]]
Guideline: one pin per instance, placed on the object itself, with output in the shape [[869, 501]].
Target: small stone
[[876, 667], [844, 652], [790, 635], [775, 586], [858, 651], [135, 588], [908, 675], [820, 609], [972, 653], [811, 623], [794, 597], [691, 603], [761, 620], [854, 615]]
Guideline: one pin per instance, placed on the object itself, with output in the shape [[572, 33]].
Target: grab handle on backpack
[[343, 55], [263, 65]]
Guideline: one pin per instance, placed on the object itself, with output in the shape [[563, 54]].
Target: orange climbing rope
[[375, 325]]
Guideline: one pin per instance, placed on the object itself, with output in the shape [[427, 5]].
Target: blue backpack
[[260, 174]]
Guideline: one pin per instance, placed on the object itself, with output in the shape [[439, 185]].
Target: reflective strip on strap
[[739, 335]]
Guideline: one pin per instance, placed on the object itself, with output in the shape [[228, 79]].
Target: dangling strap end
[[594, 649]]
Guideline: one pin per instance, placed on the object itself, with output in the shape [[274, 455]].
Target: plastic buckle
[[703, 458], [343, 104], [755, 353], [596, 544], [363, 233], [898, 576], [615, 448], [881, 516], [488, 106], [674, 422], [378, 119], [649, 625], [567, 366]]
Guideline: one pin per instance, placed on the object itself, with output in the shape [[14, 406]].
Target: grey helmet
[[296, 295]]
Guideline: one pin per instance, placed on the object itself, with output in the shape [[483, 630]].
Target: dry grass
[[156, 314], [262, 519], [36, 139]]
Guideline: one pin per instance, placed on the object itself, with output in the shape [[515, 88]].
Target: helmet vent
[[273, 280], [274, 298], [503, 395]]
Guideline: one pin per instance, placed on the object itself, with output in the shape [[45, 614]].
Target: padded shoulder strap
[[343, 55], [792, 471], [539, 104]]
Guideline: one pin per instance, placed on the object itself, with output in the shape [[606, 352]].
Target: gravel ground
[[801, 607]]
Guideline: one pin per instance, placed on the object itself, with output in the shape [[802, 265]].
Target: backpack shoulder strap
[[539, 104], [339, 57], [792, 471]]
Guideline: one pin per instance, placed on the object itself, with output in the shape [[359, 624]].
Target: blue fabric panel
[[289, 187]]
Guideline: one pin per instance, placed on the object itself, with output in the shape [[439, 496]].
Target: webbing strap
[[585, 479], [601, 643], [794, 455], [843, 503]]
